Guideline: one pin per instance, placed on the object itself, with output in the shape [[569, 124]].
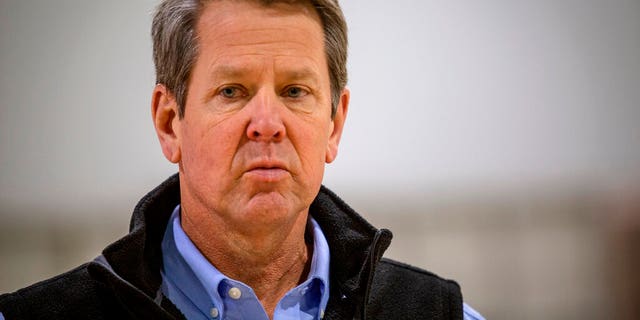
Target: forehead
[[240, 35], [258, 22]]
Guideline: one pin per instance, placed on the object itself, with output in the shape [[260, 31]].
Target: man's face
[[257, 128]]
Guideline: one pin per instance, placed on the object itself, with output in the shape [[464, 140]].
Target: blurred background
[[499, 141]]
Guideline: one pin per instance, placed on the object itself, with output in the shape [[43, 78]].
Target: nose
[[265, 121]]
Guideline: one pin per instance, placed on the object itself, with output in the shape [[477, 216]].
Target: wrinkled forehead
[[223, 13], [215, 13], [234, 22], [237, 36]]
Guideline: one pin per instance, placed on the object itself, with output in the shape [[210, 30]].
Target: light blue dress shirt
[[470, 314], [200, 291]]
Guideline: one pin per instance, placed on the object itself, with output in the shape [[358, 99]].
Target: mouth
[[268, 171]]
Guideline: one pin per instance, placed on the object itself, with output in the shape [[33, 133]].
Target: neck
[[271, 263]]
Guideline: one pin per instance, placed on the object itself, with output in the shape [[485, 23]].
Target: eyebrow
[[300, 74], [228, 71]]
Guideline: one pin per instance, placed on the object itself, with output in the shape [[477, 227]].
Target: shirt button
[[235, 293], [214, 312]]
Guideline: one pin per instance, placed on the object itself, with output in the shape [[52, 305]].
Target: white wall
[[499, 93]]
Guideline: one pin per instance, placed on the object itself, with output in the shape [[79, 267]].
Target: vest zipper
[[373, 260]]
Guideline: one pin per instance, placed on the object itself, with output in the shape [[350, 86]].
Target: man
[[250, 102]]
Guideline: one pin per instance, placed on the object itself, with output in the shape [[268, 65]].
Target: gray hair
[[175, 45]]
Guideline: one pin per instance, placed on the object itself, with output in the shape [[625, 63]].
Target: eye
[[295, 92], [230, 92]]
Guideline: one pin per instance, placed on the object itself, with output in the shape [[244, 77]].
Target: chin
[[270, 206]]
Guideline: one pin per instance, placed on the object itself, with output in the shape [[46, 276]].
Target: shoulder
[[414, 278], [69, 284], [402, 289], [69, 295]]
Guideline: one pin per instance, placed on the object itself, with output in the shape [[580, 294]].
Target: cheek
[[312, 147], [209, 148]]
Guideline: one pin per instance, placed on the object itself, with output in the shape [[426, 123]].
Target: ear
[[338, 124], [164, 111]]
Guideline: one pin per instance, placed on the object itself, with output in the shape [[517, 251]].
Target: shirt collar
[[320, 261], [193, 267], [187, 269]]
